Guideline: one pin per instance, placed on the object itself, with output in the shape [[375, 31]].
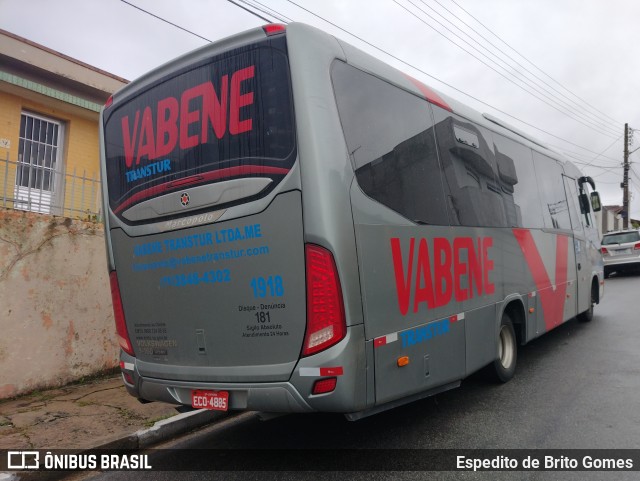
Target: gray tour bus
[[293, 225]]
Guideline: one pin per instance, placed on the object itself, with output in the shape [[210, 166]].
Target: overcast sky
[[581, 57]]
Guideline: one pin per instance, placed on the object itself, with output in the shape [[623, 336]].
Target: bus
[[293, 225]]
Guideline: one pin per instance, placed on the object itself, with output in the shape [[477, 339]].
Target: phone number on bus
[[196, 278]]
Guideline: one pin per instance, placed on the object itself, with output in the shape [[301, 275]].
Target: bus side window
[[555, 209], [517, 176], [577, 221], [389, 135], [470, 172]]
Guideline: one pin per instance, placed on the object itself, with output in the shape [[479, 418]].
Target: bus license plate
[[215, 400]]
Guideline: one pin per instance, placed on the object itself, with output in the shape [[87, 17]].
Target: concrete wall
[[56, 318]]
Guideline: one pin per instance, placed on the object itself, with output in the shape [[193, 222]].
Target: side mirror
[[584, 203], [588, 180], [595, 202]]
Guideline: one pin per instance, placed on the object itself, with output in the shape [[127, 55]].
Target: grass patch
[[41, 395], [152, 421], [96, 377], [127, 414]]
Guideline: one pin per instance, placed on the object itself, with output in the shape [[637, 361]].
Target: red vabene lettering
[[173, 117], [437, 270]]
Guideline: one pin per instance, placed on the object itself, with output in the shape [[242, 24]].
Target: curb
[[164, 430], [160, 432]]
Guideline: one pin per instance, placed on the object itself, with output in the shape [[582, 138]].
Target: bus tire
[[587, 315], [504, 367]]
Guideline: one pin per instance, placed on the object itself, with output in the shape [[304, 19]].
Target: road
[[575, 387]]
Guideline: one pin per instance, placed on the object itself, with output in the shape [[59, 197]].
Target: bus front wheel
[[504, 366]]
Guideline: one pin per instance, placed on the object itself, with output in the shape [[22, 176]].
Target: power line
[[585, 157], [389, 55], [514, 71], [605, 170], [250, 11], [166, 21], [436, 78], [511, 58], [589, 125], [604, 182], [267, 10], [563, 149], [611, 145], [600, 174], [531, 63], [578, 161]]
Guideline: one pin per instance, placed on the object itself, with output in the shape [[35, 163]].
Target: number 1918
[[270, 286]]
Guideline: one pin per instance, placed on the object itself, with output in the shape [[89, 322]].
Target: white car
[[620, 251]]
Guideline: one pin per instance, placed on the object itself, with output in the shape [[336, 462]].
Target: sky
[[563, 71]]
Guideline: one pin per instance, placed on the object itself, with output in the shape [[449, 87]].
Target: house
[[610, 219], [49, 113], [55, 302]]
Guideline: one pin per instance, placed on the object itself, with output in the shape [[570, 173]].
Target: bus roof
[[355, 57]]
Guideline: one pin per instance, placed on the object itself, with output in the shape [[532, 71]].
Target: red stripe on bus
[[201, 178], [430, 95], [331, 371], [552, 297]]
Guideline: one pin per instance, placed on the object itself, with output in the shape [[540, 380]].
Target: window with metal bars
[[39, 152]]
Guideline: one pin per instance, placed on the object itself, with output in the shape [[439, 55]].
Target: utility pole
[[625, 180]]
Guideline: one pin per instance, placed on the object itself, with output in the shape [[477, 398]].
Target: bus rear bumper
[[343, 362], [272, 397]]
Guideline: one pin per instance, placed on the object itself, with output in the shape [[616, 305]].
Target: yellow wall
[[10, 130], [9, 122], [80, 152]]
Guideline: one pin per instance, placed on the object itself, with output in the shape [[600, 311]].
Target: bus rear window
[[228, 118]]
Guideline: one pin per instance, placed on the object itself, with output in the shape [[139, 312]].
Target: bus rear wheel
[[587, 315], [504, 367]]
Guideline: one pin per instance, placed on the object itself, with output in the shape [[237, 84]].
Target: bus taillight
[[323, 386], [118, 314], [326, 324], [604, 250], [636, 246], [273, 28]]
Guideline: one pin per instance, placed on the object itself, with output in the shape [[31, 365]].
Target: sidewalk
[[96, 414]]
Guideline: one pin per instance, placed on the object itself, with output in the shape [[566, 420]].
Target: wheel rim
[[506, 347]]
